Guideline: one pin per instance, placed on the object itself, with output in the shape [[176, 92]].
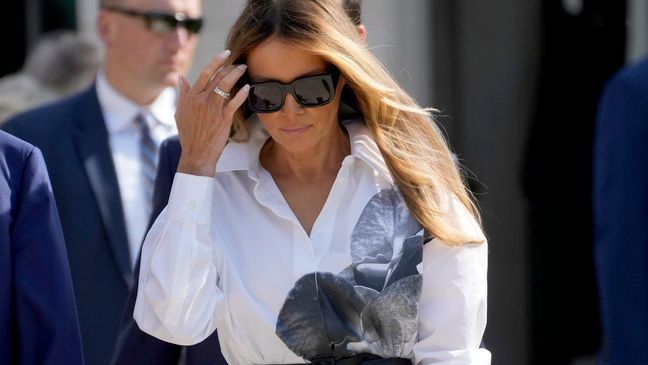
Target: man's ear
[[362, 32], [105, 27]]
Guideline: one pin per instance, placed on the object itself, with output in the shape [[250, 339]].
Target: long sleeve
[[452, 312], [178, 299], [45, 310], [621, 217]]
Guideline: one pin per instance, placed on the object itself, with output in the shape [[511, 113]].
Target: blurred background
[[517, 85]]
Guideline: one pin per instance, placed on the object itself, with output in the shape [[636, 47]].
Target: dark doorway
[[583, 43]]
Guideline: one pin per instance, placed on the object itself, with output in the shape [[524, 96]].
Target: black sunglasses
[[309, 91], [160, 22]]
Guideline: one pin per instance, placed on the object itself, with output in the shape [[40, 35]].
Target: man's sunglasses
[[160, 22], [309, 91]]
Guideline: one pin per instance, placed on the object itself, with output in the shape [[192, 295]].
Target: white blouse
[[228, 253]]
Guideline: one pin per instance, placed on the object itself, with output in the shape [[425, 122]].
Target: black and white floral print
[[372, 305]]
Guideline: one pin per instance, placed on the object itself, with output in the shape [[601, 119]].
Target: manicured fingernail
[[242, 67], [225, 53], [246, 87]]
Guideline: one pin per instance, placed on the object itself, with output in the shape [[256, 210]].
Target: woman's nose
[[291, 106]]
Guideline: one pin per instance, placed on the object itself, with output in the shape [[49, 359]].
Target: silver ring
[[222, 92]]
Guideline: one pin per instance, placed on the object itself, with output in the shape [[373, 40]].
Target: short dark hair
[[353, 9]]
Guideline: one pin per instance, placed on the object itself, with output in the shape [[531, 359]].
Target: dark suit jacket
[[621, 215], [73, 138], [38, 320], [135, 347]]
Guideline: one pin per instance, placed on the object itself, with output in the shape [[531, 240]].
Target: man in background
[[100, 147]]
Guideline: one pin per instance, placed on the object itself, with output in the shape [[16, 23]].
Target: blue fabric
[[135, 347], [621, 216], [38, 320], [74, 141]]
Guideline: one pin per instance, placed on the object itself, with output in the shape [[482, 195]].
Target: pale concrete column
[[219, 17], [86, 11], [400, 35], [637, 43]]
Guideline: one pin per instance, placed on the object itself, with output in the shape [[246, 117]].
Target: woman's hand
[[204, 118]]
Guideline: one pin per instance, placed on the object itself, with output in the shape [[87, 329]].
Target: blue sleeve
[[620, 205], [133, 345], [46, 317]]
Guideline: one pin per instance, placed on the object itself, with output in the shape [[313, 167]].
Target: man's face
[[147, 57]]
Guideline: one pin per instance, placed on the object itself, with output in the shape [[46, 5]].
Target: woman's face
[[294, 127]]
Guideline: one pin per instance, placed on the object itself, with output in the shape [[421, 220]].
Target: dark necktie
[[148, 157]]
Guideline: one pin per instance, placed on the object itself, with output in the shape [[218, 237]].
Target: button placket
[[322, 230], [304, 259]]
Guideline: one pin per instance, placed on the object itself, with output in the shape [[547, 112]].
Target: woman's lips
[[294, 131]]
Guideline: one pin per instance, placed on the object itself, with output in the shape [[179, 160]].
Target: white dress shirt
[[228, 253], [119, 114]]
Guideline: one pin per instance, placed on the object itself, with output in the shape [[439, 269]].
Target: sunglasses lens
[[163, 24], [310, 91], [193, 25], [265, 98], [313, 91], [168, 23]]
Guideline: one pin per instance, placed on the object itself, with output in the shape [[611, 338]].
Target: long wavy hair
[[409, 139]]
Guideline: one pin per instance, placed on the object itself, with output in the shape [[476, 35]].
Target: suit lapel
[[91, 139]]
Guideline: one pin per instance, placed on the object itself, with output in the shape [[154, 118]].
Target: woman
[[309, 238]]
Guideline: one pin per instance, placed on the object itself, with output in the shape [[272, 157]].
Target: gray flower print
[[372, 305]]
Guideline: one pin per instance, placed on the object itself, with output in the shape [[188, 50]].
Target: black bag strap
[[360, 359]]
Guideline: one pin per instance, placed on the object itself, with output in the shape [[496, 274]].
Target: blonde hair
[[411, 143]]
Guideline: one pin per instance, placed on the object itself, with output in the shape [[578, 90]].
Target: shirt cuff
[[191, 199]]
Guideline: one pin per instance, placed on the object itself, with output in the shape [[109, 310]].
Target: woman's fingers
[[183, 88], [225, 82], [204, 118], [219, 76], [228, 81], [209, 71], [236, 102]]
